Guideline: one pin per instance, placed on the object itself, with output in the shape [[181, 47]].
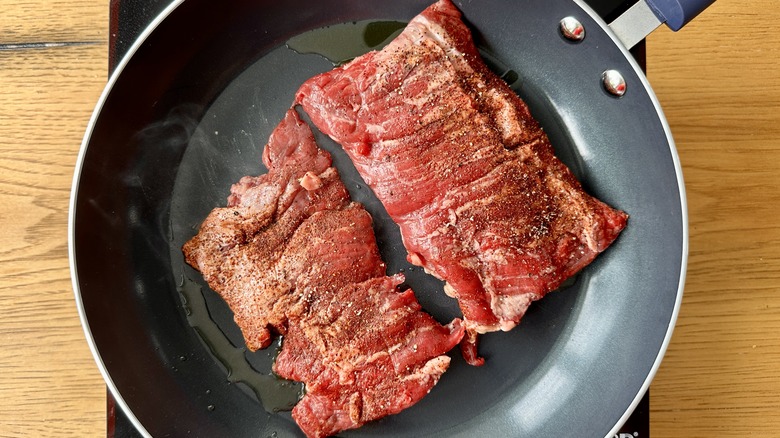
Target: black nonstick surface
[[188, 114]]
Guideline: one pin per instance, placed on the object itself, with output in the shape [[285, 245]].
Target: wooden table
[[717, 80]]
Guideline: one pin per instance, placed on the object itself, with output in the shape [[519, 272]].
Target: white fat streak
[[509, 307], [480, 328], [506, 117], [432, 369], [435, 32]]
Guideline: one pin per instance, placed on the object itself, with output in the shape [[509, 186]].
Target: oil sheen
[[340, 43], [275, 394]]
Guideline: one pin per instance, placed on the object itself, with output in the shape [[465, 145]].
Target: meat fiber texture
[[463, 168], [290, 254]]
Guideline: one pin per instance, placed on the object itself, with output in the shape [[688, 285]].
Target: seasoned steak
[[365, 351], [462, 167], [291, 254], [252, 253]]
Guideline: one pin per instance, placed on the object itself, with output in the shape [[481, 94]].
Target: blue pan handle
[[677, 13], [646, 15]]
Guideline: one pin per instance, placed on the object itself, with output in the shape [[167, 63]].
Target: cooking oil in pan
[[276, 394], [341, 43]]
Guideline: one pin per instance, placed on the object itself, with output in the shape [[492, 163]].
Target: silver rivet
[[572, 29], [614, 82]]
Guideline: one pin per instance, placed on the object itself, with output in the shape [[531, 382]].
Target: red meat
[[292, 255], [365, 351], [462, 167]]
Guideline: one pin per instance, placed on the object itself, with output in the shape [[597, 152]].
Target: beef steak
[[463, 168], [291, 254]]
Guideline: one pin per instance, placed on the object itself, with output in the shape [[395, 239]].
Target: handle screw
[[572, 29], [614, 83]]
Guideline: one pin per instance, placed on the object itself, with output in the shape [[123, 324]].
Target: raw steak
[[364, 351], [464, 170], [291, 254]]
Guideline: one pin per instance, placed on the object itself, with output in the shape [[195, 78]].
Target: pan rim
[[683, 217], [113, 78], [117, 73]]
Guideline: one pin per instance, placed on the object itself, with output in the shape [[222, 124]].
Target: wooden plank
[[50, 383], [38, 21], [717, 81]]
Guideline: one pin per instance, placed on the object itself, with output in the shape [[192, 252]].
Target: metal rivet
[[572, 29], [614, 83]]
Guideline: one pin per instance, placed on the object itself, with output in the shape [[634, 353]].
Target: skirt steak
[[290, 254], [463, 168]]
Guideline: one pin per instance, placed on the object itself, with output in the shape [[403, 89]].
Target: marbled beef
[[462, 167], [291, 254]]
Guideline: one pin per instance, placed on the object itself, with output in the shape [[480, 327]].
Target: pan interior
[[579, 356], [227, 144]]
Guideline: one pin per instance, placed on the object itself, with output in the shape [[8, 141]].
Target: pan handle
[[646, 15], [677, 13]]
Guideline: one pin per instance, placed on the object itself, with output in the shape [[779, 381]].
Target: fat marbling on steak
[[462, 167], [291, 254]]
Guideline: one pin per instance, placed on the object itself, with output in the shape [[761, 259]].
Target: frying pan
[[187, 113]]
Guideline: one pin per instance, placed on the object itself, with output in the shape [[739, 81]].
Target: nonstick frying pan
[[186, 114]]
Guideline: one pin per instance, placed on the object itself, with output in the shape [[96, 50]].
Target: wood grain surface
[[52, 70], [719, 85], [717, 81]]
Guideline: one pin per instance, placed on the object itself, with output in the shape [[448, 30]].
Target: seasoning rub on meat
[[291, 254], [462, 167]]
